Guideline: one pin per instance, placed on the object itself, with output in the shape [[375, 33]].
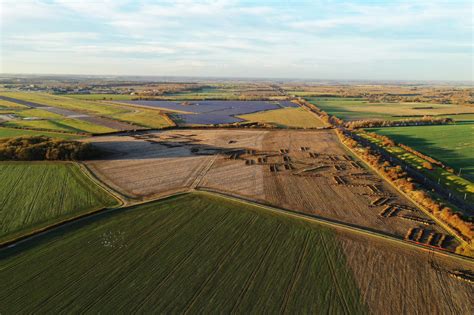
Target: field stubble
[[306, 171]]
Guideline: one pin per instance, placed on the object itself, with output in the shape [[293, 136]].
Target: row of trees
[[39, 148], [427, 120], [429, 161], [400, 178]]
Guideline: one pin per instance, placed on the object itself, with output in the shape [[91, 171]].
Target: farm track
[[203, 172]]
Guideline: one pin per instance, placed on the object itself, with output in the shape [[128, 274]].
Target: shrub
[[427, 165], [39, 148]]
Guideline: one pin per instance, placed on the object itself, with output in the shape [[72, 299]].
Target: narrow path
[[203, 172]]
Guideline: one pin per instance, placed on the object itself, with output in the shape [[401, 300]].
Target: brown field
[[306, 171], [406, 280]]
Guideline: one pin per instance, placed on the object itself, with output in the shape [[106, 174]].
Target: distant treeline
[[39, 148], [398, 123]]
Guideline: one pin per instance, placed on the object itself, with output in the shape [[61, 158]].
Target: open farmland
[[286, 117], [453, 144], [184, 254], [360, 109], [298, 170], [10, 105], [105, 116], [14, 132], [458, 185], [33, 195], [79, 121], [212, 112], [100, 97], [198, 252], [155, 164], [398, 280]]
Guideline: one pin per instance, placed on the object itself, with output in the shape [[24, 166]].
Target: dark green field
[[361, 109], [33, 195], [191, 253], [451, 144], [13, 132]]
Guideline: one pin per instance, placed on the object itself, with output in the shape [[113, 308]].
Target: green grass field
[[149, 118], [11, 105], [190, 253], [13, 132], [65, 124], [99, 97], [456, 184], [33, 195], [65, 102], [142, 117], [360, 109], [451, 144], [38, 113], [295, 117]]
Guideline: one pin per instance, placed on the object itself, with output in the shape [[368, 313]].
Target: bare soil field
[[405, 280], [325, 180], [306, 171], [159, 163]]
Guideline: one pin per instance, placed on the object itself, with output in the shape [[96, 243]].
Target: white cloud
[[230, 38], [14, 10], [391, 16]]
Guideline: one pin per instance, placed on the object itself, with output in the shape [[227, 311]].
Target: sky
[[328, 39]]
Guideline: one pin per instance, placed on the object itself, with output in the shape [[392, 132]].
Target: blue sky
[[399, 40]]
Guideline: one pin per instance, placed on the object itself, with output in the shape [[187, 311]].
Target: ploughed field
[[34, 195], [203, 253], [211, 112], [305, 171]]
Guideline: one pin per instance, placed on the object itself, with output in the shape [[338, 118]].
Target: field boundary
[[334, 224], [87, 174], [122, 200], [347, 227], [71, 220], [442, 224]]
